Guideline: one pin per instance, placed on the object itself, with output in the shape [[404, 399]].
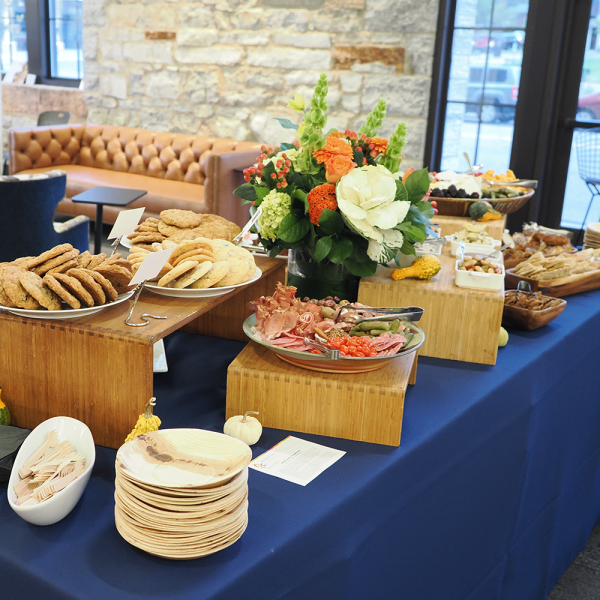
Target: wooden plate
[[557, 288]]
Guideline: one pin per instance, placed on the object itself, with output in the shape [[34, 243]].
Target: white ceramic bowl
[[61, 504]]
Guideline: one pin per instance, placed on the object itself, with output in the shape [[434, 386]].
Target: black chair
[[587, 146], [27, 205]]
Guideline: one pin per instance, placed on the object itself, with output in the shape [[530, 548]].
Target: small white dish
[[61, 504], [473, 248], [203, 293], [476, 280], [159, 361], [67, 312]]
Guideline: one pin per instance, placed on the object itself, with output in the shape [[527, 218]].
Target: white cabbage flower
[[366, 199]]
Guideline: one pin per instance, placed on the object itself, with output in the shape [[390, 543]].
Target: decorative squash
[[4, 413], [146, 422], [245, 428], [425, 267], [483, 211]]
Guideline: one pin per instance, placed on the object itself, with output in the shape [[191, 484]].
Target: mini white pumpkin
[[245, 428]]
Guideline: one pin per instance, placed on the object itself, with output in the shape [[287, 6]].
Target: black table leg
[[98, 232]]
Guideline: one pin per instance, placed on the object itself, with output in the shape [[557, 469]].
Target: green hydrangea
[[275, 206]]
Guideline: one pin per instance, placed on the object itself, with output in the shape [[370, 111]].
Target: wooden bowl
[[526, 319], [459, 207]]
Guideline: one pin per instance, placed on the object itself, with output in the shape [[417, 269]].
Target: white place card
[[30, 79], [127, 221], [296, 460], [151, 266]]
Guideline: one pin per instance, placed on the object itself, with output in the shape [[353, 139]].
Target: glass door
[[585, 152]]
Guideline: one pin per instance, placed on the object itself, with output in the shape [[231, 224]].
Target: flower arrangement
[[338, 196]]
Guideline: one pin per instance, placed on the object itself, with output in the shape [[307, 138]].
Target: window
[[54, 47], [13, 36]]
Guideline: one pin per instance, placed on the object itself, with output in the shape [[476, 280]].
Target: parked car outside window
[[498, 95]]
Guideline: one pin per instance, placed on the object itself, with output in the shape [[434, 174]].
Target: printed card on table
[[127, 221], [296, 460], [151, 266]]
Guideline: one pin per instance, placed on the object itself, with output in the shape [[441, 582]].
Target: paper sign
[[296, 460], [151, 266], [13, 70], [30, 79], [127, 221]]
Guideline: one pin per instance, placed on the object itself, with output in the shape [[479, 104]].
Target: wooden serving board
[[459, 323], [557, 288], [451, 225]]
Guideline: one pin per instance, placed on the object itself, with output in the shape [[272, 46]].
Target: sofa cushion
[[32, 176]]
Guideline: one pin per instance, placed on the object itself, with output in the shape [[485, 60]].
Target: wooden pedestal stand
[[367, 407], [459, 324], [99, 370]]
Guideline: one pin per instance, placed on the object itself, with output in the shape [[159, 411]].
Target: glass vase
[[318, 281]]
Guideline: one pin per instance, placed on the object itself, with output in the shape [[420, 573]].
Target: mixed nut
[[480, 264]]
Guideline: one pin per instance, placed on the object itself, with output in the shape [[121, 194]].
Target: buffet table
[[491, 494]]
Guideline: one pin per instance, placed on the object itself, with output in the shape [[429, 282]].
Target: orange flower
[[406, 174], [337, 166], [319, 198], [333, 147], [379, 145]]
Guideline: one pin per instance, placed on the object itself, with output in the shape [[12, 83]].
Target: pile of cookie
[[178, 225], [63, 274], [200, 263]]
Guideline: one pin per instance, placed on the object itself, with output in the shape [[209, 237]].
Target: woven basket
[[459, 207]]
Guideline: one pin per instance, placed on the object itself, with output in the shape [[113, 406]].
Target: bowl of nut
[[479, 272], [528, 311]]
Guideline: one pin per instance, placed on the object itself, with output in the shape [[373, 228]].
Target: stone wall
[[227, 67]]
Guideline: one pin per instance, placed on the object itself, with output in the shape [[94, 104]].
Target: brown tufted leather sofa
[[189, 172]]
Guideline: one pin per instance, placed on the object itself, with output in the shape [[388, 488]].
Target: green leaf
[[415, 233], [301, 196], [407, 248], [341, 249], [401, 193], [286, 146], [275, 250], [358, 158], [266, 176], [417, 185], [292, 229], [287, 124], [261, 192], [247, 192], [361, 269], [416, 216], [331, 222], [425, 208], [322, 248]]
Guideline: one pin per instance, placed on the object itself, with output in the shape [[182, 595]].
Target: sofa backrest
[[173, 156]]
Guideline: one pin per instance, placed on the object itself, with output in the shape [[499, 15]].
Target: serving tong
[[411, 313], [526, 183]]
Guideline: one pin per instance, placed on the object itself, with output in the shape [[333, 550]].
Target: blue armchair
[[27, 205]]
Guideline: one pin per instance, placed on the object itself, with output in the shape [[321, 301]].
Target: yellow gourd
[[146, 422], [425, 267], [245, 428]]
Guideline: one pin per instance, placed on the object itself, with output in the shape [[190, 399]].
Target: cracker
[[176, 272], [109, 290], [90, 284], [117, 275], [16, 292], [62, 292], [54, 262], [50, 254], [193, 275], [70, 264], [218, 271], [180, 218], [73, 286], [97, 259], [34, 285]]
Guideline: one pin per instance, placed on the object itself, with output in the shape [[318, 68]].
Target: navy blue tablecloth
[[492, 493]]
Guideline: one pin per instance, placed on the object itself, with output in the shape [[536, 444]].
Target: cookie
[[145, 238], [90, 284], [83, 260], [70, 264], [168, 230], [240, 271], [16, 292], [23, 262], [195, 251], [166, 244], [166, 268], [177, 271], [97, 259], [197, 257], [138, 247], [108, 288], [151, 220], [118, 276], [193, 275], [50, 254], [54, 262], [61, 291], [147, 227], [4, 299], [218, 271], [121, 262], [73, 286], [34, 286], [185, 247], [180, 218]]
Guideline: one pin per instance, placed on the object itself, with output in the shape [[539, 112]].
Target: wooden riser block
[[451, 225], [366, 407], [459, 323]]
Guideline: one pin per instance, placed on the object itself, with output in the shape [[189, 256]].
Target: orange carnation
[[334, 146], [320, 198], [337, 166], [379, 145]]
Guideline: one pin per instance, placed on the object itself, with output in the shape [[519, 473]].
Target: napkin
[[11, 439]]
